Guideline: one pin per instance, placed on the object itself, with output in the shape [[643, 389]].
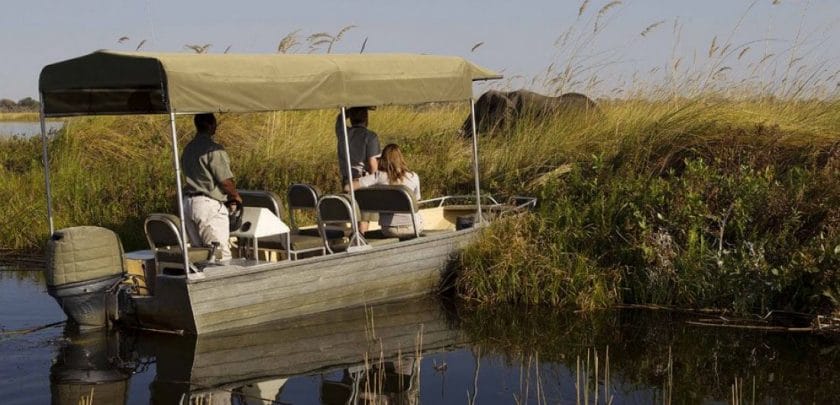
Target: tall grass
[[690, 202], [712, 181], [708, 203], [114, 171], [705, 184]]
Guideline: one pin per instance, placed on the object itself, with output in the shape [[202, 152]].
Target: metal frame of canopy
[[357, 240]]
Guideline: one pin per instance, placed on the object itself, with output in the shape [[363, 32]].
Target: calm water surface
[[420, 351], [26, 129]]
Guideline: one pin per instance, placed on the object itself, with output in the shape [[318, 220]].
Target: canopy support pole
[[478, 217], [46, 159], [356, 239], [177, 162]]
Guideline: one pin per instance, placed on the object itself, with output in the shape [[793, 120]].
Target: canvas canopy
[[107, 82]]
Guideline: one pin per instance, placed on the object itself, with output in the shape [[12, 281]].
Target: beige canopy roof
[[108, 82]]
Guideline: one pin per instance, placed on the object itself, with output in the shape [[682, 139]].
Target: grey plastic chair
[[301, 197], [333, 210], [397, 199], [164, 237]]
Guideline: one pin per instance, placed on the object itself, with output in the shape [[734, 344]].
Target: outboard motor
[[84, 266]]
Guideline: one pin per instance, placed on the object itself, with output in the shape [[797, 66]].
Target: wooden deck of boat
[[234, 297]]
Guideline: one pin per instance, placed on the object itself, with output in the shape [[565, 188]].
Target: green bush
[[724, 233]]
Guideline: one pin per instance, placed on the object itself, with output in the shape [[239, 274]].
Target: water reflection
[[26, 129], [90, 368], [383, 382], [420, 352], [362, 355], [656, 356]]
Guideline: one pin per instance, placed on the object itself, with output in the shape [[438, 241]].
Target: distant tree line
[[22, 105]]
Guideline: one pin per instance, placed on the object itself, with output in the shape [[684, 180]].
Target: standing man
[[364, 152], [209, 184]]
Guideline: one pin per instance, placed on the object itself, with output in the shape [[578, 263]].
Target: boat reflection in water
[[363, 355], [383, 383], [90, 367], [373, 355]]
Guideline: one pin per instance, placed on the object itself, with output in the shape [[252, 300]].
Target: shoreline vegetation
[[726, 205], [711, 181], [19, 116], [696, 203]]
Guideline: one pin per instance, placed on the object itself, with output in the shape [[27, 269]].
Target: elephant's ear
[[517, 99]]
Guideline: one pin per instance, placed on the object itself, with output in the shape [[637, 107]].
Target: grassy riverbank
[[19, 116], [730, 205], [689, 202]]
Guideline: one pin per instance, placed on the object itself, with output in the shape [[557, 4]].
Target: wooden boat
[[355, 343], [86, 267], [235, 296]]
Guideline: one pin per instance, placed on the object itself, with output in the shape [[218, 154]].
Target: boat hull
[[234, 297]]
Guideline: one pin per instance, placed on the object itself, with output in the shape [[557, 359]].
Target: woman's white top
[[410, 180]]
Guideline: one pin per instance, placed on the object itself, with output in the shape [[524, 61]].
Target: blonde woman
[[394, 171]]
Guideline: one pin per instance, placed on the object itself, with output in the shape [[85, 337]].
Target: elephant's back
[[576, 100]]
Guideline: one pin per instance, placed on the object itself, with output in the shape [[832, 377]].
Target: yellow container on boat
[[140, 267]]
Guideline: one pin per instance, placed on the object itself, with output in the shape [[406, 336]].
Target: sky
[[604, 47]]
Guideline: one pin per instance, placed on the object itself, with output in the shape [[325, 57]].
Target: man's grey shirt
[[206, 165], [364, 144]]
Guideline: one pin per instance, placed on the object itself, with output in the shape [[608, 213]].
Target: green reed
[[686, 203], [710, 183], [689, 202]]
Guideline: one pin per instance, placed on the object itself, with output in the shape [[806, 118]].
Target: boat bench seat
[[342, 246], [394, 199], [333, 210], [302, 246], [170, 254], [299, 242], [313, 232], [373, 237], [399, 199]]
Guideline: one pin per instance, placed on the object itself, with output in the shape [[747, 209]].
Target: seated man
[[364, 151]]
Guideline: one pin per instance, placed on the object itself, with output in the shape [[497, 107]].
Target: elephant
[[496, 110]]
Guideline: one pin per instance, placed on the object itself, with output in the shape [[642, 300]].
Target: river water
[[425, 351], [26, 129]]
